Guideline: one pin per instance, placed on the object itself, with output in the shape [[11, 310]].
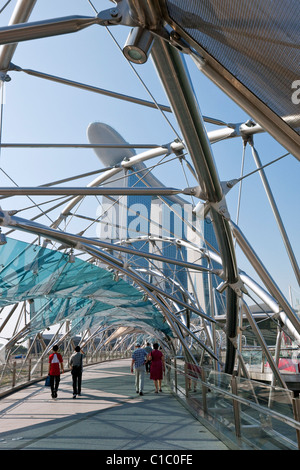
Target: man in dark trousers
[[76, 364], [55, 360], [148, 349]]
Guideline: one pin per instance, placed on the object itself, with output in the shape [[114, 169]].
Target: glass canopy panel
[[80, 292], [257, 42]]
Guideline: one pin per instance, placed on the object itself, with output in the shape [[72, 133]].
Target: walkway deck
[[108, 416]]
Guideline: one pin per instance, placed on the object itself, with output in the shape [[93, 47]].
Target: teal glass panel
[[81, 292]]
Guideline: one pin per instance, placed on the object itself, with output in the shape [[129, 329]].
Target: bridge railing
[[244, 413], [20, 372]]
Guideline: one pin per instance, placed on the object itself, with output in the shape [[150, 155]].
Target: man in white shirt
[[138, 361]]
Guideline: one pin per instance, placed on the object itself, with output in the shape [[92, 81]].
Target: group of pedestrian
[[145, 360], [56, 368]]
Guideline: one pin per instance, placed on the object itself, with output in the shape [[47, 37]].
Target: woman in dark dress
[[157, 367]]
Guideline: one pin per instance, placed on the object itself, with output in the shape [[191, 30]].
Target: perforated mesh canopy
[[257, 42], [81, 292]]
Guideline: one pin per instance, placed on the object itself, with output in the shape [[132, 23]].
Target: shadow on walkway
[[108, 416]]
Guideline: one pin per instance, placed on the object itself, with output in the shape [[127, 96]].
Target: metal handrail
[[206, 387], [237, 401]]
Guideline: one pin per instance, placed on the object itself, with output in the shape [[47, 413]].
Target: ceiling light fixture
[[3, 240], [138, 45], [71, 256]]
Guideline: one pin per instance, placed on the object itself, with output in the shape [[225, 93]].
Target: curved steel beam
[[20, 14], [265, 276], [276, 212], [88, 191], [175, 80], [153, 292], [83, 242], [54, 27]]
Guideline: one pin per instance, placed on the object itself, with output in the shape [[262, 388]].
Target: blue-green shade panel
[[81, 292]]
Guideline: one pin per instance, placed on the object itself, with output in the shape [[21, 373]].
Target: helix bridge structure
[[149, 157]]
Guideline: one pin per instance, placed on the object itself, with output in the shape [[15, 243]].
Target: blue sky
[[39, 111]]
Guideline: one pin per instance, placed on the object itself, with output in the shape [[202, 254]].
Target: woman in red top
[[55, 360], [157, 367]]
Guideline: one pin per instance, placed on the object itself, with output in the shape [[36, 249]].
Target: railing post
[[296, 410], [204, 390], [175, 374], [236, 408], [168, 370], [263, 364], [186, 380], [14, 374], [29, 369]]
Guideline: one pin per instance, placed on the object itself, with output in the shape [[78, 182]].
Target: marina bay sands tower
[[153, 224]]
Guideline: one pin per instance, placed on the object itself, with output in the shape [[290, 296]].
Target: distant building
[[135, 218]]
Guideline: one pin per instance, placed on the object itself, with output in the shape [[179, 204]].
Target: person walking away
[[157, 367], [76, 361], [56, 367], [148, 349], [138, 362]]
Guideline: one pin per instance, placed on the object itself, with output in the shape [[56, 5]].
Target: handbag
[[47, 381]]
